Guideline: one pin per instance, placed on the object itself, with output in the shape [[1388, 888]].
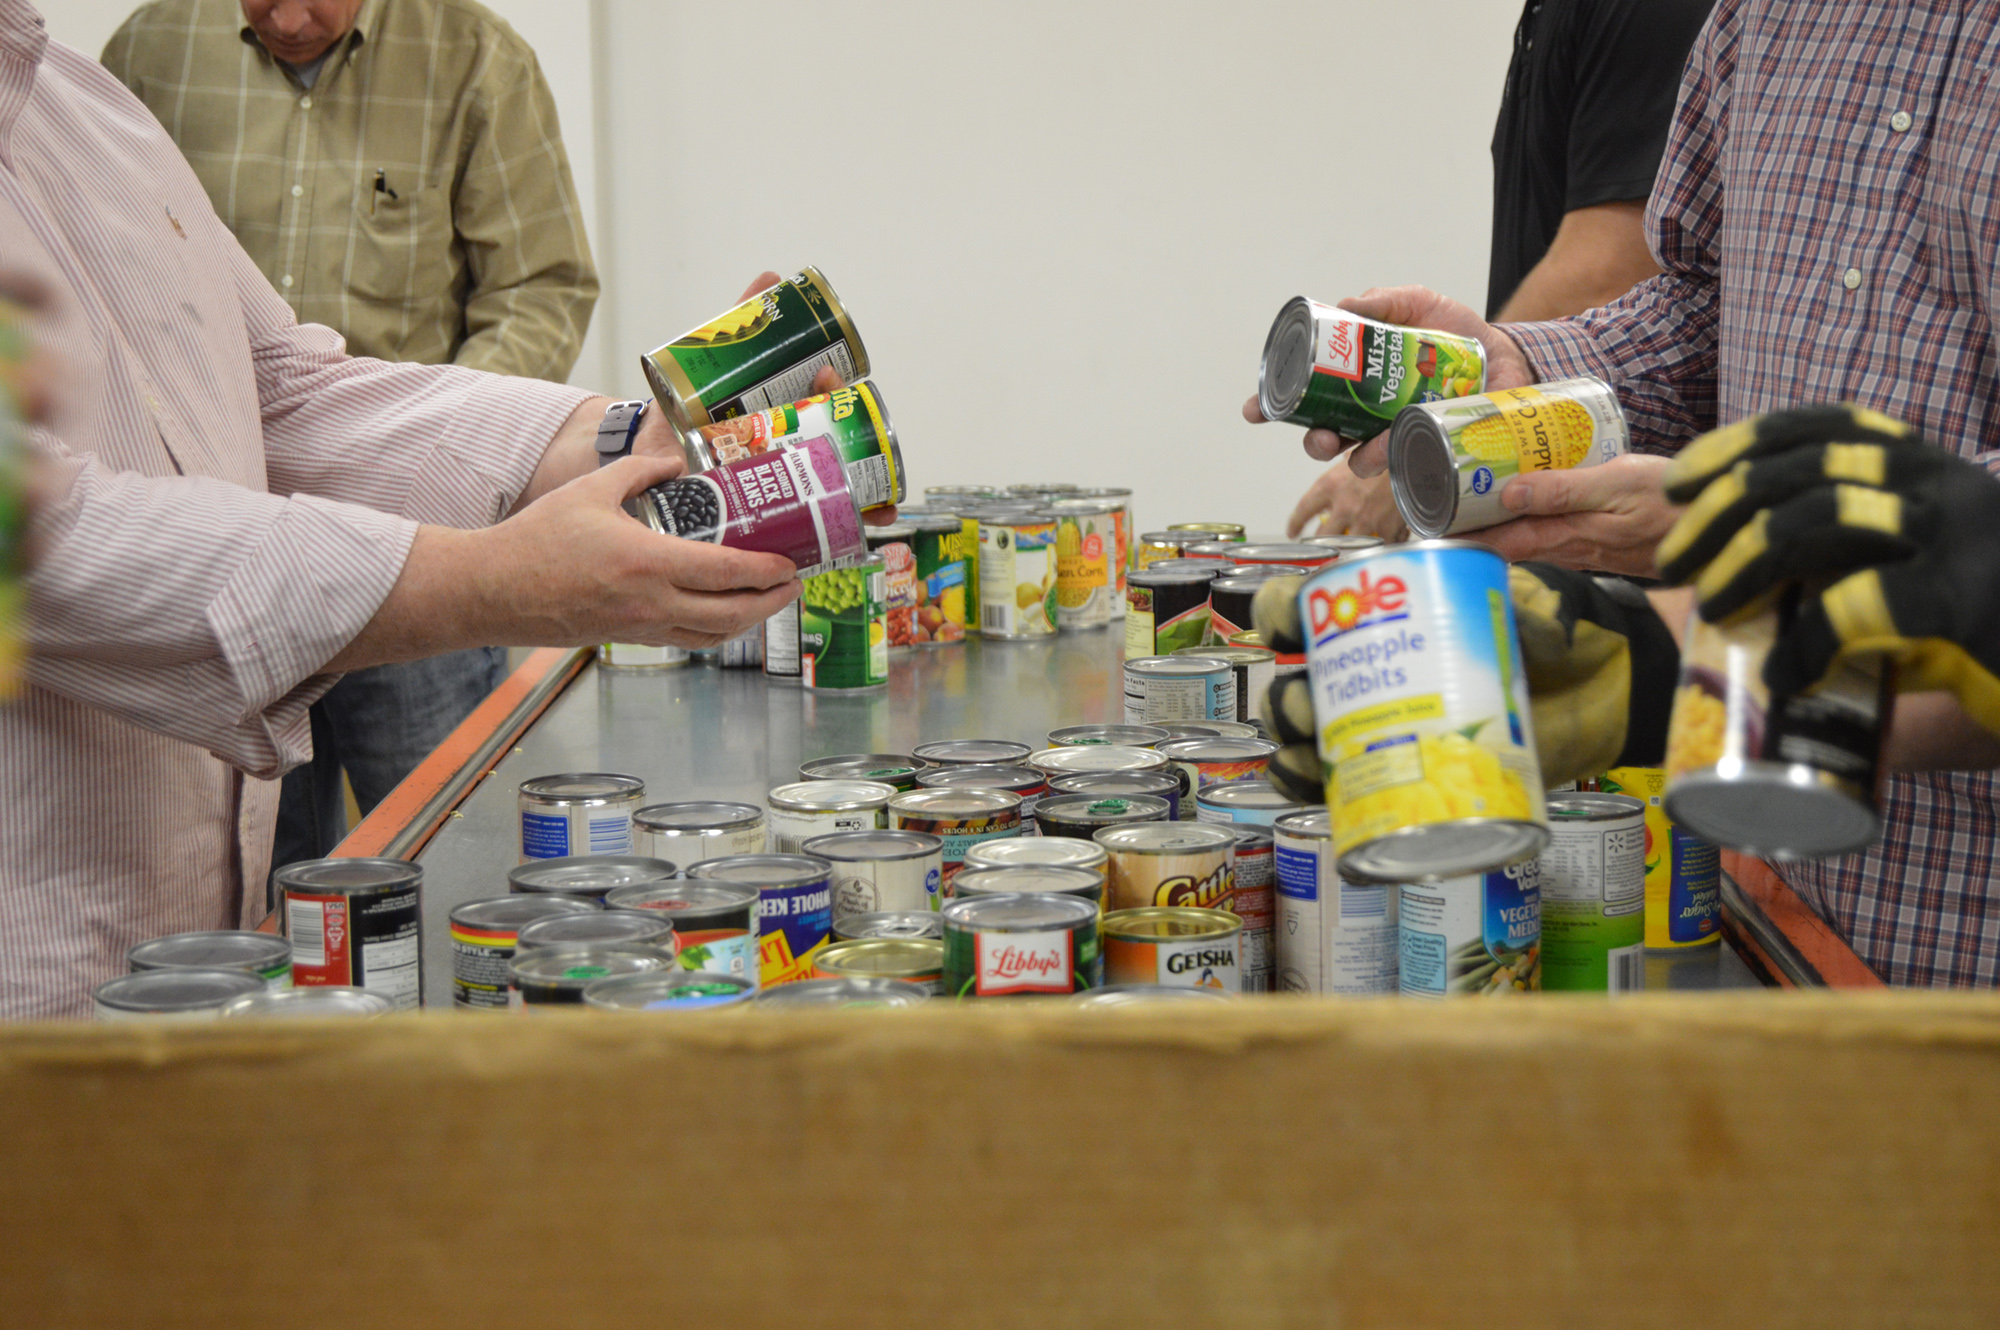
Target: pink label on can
[[792, 502]]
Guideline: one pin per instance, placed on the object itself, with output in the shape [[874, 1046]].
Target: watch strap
[[618, 429]]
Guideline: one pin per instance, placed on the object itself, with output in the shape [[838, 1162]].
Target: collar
[[22, 33], [356, 36]]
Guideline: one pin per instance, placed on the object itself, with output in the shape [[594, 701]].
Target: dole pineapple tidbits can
[[763, 353], [1327, 369], [1448, 461], [1422, 711]]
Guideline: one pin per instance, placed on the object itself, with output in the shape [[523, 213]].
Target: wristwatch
[[619, 427]]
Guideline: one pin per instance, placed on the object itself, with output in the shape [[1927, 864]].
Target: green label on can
[[1364, 372], [763, 353], [843, 629], [1594, 905], [942, 587]]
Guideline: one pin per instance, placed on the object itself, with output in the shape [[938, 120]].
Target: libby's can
[[1594, 894], [682, 833], [1448, 461], [1087, 563], [1683, 871], [1169, 863], [960, 818], [1177, 946], [1325, 368], [794, 908], [794, 502], [1474, 936], [853, 419], [357, 923], [1017, 575], [1020, 945], [764, 352], [843, 628], [1167, 610], [577, 813], [1171, 688], [1422, 708], [881, 870], [1332, 936]]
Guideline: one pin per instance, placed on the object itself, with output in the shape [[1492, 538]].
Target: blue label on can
[[1298, 873], [1694, 891], [544, 836], [794, 925]]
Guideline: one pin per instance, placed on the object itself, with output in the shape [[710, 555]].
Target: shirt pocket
[[402, 247]]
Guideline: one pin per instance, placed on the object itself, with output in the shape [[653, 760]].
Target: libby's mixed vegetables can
[[1474, 936], [1325, 368]]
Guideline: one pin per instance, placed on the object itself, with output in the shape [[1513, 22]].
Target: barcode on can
[[305, 925], [993, 619], [1628, 969]]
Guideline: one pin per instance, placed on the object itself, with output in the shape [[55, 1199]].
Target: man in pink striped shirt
[[238, 512]]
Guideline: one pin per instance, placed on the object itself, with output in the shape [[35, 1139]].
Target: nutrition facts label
[[794, 385]]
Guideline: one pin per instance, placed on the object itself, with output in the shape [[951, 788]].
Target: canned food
[[589, 878], [951, 494], [1086, 563], [715, 923], [960, 817], [1120, 500], [1594, 894], [1122, 736], [1170, 688], [1448, 461], [1254, 870], [1229, 599], [893, 769], [1254, 667], [1038, 852], [1156, 545], [1045, 489], [1208, 729], [483, 938], [1780, 777], [1255, 803], [899, 582], [881, 870], [763, 353], [889, 923], [580, 812], [683, 833], [821, 807], [847, 991], [781, 645], [794, 502], [1177, 947], [1020, 945], [358, 923], [1325, 368], [843, 628], [1332, 936], [918, 961], [1025, 782], [634, 656], [1124, 785], [312, 1003], [1084, 815], [972, 753], [1220, 553], [1167, 609], [1169, 863], [1422, 709], [1344, 545], [1205, 762], [794, 908], [1032, 879], [1017, 575], [942, 578], [261, 954], [1299, 558], [1286, 662], [852, 419], [1683, 871], [599, 928], [668, 990], [745, 651], [1213, 531], [1138, 995], [1478, 935], [186, 994], [557, 976], [1087, 759]]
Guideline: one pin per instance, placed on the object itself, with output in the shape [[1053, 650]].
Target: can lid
[[1282, 554], [1209, 729], [882, 957], [1247, 577], [514, 911], [982, 777], [594, 928], [1074, 758], [1084, 505], [1259, 794], [1344, 544], [578, 967], [1440, 850], [1129, 736], [1115, 784], [1312, 824], [1166, 838], [1423, 474], [230, 949], [1591, 806], [1038, 852], [887, 535], [583, 786], [856, 846], [831, 796], [667, 990], [960, 491], [1176, 666], [1251, 839], [892, 923], [1136, 995], [1046, 487], [972, 752], [343, 877], [1104, 492], [1027, 877], [1163, 537], [1160, 572], [175, 992], [1233, 529], [1233, 654], [589, 875], [675, 899], [1017, 912], [882, 768], [1773, 810], [1217, 750], [324, 1000], [847, 991], [764, 871], [936, 524], [698, 816], [954, 802], [1218, 550], [1175, 921], [1091, 810]]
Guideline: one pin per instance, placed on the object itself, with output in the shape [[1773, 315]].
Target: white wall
[[1063, 226]]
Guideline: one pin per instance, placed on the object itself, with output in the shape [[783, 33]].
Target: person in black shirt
[[1583, 121]]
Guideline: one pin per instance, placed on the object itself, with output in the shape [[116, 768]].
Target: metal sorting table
[[699, 732]]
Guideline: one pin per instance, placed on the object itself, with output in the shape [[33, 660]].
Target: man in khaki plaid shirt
[[395, 169]]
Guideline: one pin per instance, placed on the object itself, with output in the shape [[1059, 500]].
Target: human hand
[[1347, 504], [1609, 518]]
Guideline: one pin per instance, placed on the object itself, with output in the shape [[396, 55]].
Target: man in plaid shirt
[[395, 170], [1827, 223]]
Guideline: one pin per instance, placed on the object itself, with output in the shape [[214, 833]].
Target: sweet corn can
[[1325, 368], [1774, 776], [1180, 947], [765, 352], [1086, 563], [1422, 710], [1474, 936], [1594, 894], [1448, 461], [1017, 576], [1120, 500], [853, 419], [1332, 936], [1683, 871]]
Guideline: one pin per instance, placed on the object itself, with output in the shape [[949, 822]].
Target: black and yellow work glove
[[1907, 535], [1601, 667]]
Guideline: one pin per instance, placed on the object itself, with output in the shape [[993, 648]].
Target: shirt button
[[298, 190], [1900, 121], [1849, 279], [306, 102], [286, 280]]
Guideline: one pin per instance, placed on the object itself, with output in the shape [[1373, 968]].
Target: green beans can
[[1594, 894], [1328, 369], [843, 628], [765, 352]]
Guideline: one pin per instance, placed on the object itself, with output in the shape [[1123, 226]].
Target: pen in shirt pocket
[[381, 188]]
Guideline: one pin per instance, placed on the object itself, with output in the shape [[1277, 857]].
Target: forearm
[[443, 600], [571, 453], [1598, 254]]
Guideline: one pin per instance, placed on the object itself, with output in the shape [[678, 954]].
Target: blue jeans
[[376, 724]]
